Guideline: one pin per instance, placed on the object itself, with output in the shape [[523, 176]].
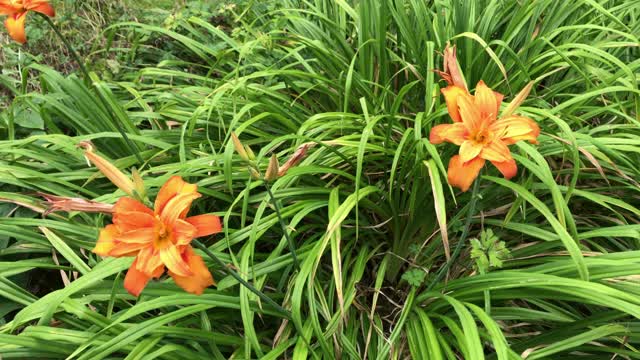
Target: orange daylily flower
[[160, 238], [480, 133], [17, 11]]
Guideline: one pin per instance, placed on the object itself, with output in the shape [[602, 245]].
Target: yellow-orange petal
[[496, 150], [138, 236], [462, 175], [127, 204], [514, 128], [201, 278], [183, 232], [499, 98], [130, 221], [126, 249], [508, 168], [8, 8], [177, 207], [173, 260], [135, 280], [469, 150], [148, 259], [173, 187], [42, 7], [454, 133], [485, 100], [469, 113], [15, 26], [205, 224], [106, 240], [452, 94]]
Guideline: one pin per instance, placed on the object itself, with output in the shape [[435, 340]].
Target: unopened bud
[[250, 153], [138, 184], [272, 169], [240, 149], [518, 100], [117, 177], [255, 175]]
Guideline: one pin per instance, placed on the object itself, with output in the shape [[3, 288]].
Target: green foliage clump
[[489, 252]]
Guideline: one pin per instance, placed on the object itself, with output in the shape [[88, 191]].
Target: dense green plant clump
[[548, 261]]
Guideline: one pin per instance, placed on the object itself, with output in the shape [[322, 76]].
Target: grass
[[357, 80]]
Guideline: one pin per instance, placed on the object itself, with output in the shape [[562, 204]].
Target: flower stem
[[292, 247], [242, 281], [64, 40], [465, 232], [87, 79]]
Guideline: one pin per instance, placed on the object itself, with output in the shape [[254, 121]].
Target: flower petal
[[148, 260], [201, 277], [462, 174], [454, 133], [126, 249], [173, 260], [205, 224], [15, 26], [9, 9], [174, 186], [485, 100], [138, 236], [183, 232], [130, 221], [508, 168], [469, 113], [496, 150], [499, 98], [106, 240], [514, 128], [451, 95], [136, 280], [42, 7], [177, 207], [127, 204], [469, 150]]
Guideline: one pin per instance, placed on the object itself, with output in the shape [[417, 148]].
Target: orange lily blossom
[[160, 238], [480, 133], [17, 11]]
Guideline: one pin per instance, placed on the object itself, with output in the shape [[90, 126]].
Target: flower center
[[481, 137], [164, 238]]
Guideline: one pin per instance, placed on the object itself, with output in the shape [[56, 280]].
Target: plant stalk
[[465, 232], [242, 281], [292, 247], [87, 78]]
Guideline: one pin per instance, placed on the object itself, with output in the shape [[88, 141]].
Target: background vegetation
[[550, 260]]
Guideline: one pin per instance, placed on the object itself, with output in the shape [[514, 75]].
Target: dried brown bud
[[295, 159], [61, 203], [452, 73]]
